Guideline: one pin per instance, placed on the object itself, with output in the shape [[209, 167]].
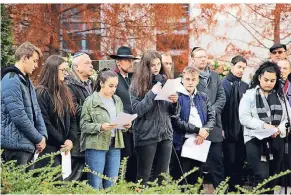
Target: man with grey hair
[[81, 86]]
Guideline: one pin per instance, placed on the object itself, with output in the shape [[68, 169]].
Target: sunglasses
[[275, 52]]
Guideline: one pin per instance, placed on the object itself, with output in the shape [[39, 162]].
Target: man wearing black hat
[[124, 64], [278, 52]]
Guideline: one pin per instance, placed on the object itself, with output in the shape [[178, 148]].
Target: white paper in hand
[[196, 152], [35, 156], [263, 133], [66, 165], [123, 119], [182, 89], [168, 89]]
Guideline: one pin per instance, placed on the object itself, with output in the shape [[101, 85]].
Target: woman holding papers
[[100, 139], [152, 130], [262, 108], [57, 108], [195, 120]]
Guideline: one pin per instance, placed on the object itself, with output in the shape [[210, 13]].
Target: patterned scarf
[[270, 111]]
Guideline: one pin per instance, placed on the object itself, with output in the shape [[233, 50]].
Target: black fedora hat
[[123, 52]]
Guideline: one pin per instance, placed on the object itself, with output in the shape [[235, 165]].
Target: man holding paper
[[195, 120], [263, 108]]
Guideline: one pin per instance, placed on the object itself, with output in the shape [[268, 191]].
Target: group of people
[[69, 111]]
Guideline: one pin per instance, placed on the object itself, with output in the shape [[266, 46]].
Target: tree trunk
[[277, 15]]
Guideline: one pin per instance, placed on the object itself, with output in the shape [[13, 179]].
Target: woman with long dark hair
[[57, 107], [152, 130], [262, 107], [100, 139]]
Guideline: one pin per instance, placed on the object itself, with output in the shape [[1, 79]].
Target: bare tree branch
[[254, 36], [259, 12]]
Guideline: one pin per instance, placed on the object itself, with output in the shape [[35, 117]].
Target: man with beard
[[124, 64]]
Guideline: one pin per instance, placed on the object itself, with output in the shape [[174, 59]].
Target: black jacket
[[216, 95], [59, 129], [79, 94], [154, 119], [122, 91], [230, 117]]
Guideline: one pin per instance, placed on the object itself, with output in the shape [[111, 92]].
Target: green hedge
[[15, 180]]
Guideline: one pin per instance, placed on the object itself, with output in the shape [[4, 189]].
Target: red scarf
[[286, 86]]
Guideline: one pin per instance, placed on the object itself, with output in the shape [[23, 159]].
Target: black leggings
[[161, 152]]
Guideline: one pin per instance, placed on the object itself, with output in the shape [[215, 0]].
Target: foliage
[[222, 69], [7, 52], [245, 29], [99, 29], [15, 180]]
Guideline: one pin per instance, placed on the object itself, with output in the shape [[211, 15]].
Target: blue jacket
[[22, 125], [180, 121]]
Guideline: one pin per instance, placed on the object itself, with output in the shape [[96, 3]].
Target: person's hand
[[108, 126], [68, 145], [203, 133], [223, 134], [275, 134], [173, 98], [41, 145], [199, 140], [127, 126], [156, 88]]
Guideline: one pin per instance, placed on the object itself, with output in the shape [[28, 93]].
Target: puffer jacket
[[22, 124]]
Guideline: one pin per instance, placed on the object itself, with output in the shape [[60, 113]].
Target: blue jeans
[[105, 162]]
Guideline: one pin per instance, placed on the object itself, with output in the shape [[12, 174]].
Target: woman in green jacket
[[100, 139]]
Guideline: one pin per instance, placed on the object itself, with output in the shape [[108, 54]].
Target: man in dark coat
[[210, 84], [81, 86], [233, 145], [124, 64]]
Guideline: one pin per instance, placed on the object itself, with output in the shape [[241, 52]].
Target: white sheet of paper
[[263, 133], [66, 165], [168, 89], [123, 119], [35, 156], [197, 152], [182, 89]]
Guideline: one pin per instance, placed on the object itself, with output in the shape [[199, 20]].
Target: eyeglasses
[[275, 52], [65, 70]]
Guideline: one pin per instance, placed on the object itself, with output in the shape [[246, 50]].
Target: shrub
[[15, 180]]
